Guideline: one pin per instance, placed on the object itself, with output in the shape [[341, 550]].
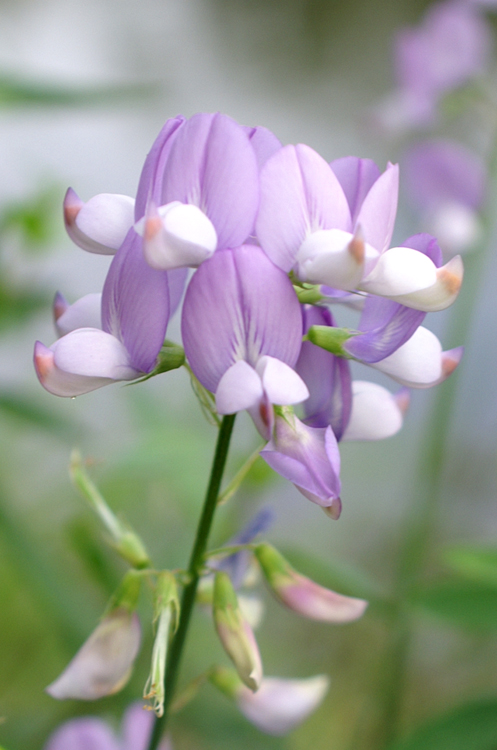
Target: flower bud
[[103, 664], [235, 633], [167, 615], [301, 594]]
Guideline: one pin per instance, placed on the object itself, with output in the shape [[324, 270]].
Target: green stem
[[194, 570]]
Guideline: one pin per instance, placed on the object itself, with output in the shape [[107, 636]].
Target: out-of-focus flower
[[134, 316], [242, 331], [451, 46], [103, 664], [235, 633], [91, 733], [279, 705], [446, 182], [304, 596]]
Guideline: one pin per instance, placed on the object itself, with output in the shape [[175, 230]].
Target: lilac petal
[[176, 281], [137, 728], [135, 304], [84, 313], [213, 166], [264, 143], [281, 705], [385, 325], [299, 194], [306, 456], [82, 361], [376, 216], [239, 388], [281, 383], [417, 363], [83, 734], [101, 224], [356, 176], [239, 306], [309, 599], [103, 664], [376, 413], [441, 172], [152, 176], [327, 378]]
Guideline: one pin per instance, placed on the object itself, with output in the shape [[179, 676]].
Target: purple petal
[[264, 143], [385, 325], [135, 304], [356, 176], [137, 727], [327, 378], [177, 281], [152, 176], [299, 194], [83, 734], [376, 216], [213, 166], [427, 244], [238, 305], [444, 172]]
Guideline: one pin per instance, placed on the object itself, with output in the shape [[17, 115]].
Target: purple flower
[[451, 46], [308, 457], [91, 733], [203, 192], [100, 225], [242, 330], [447, 182], [134, 317], [336, 230]]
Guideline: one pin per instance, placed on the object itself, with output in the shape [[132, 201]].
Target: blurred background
[[84, 90]]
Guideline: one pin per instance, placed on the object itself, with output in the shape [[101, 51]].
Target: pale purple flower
[[336, 230], [451, 46], [376, 413], [134, 317], [203, 194], [446, 182], [103, 664], [237, 565], [308, 457], [92, 733], [242, 330], [101, 224]]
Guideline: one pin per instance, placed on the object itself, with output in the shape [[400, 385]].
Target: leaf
[[477, 563], [462, 603], [470, 727]]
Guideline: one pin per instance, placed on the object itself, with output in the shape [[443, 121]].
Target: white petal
[[240, 388], [103, 663], [400, 271], [441, 293], [332, 257], [280, 705], [417, 363], [177, 236], [252, 609], [84, 313], [101, 224], [376, 413], [93, 353], [281, 383]]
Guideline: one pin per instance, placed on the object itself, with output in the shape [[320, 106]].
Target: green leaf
[[470, 727], [462, 603], [476, 563]]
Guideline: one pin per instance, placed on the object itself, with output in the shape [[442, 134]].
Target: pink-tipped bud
[[302, 595], [235, 633], [60, 305]]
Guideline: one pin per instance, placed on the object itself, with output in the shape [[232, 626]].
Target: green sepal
[[330, 338], [170, 357], [274, 566], [225, 602], [309, 294], [127, 594]]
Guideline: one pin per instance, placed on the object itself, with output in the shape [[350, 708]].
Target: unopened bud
[[235, 633], [301, 594]]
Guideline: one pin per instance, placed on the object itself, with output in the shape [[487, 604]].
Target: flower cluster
[[276, 235]]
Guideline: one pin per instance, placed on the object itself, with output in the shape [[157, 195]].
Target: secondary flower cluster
[[276, 235]]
